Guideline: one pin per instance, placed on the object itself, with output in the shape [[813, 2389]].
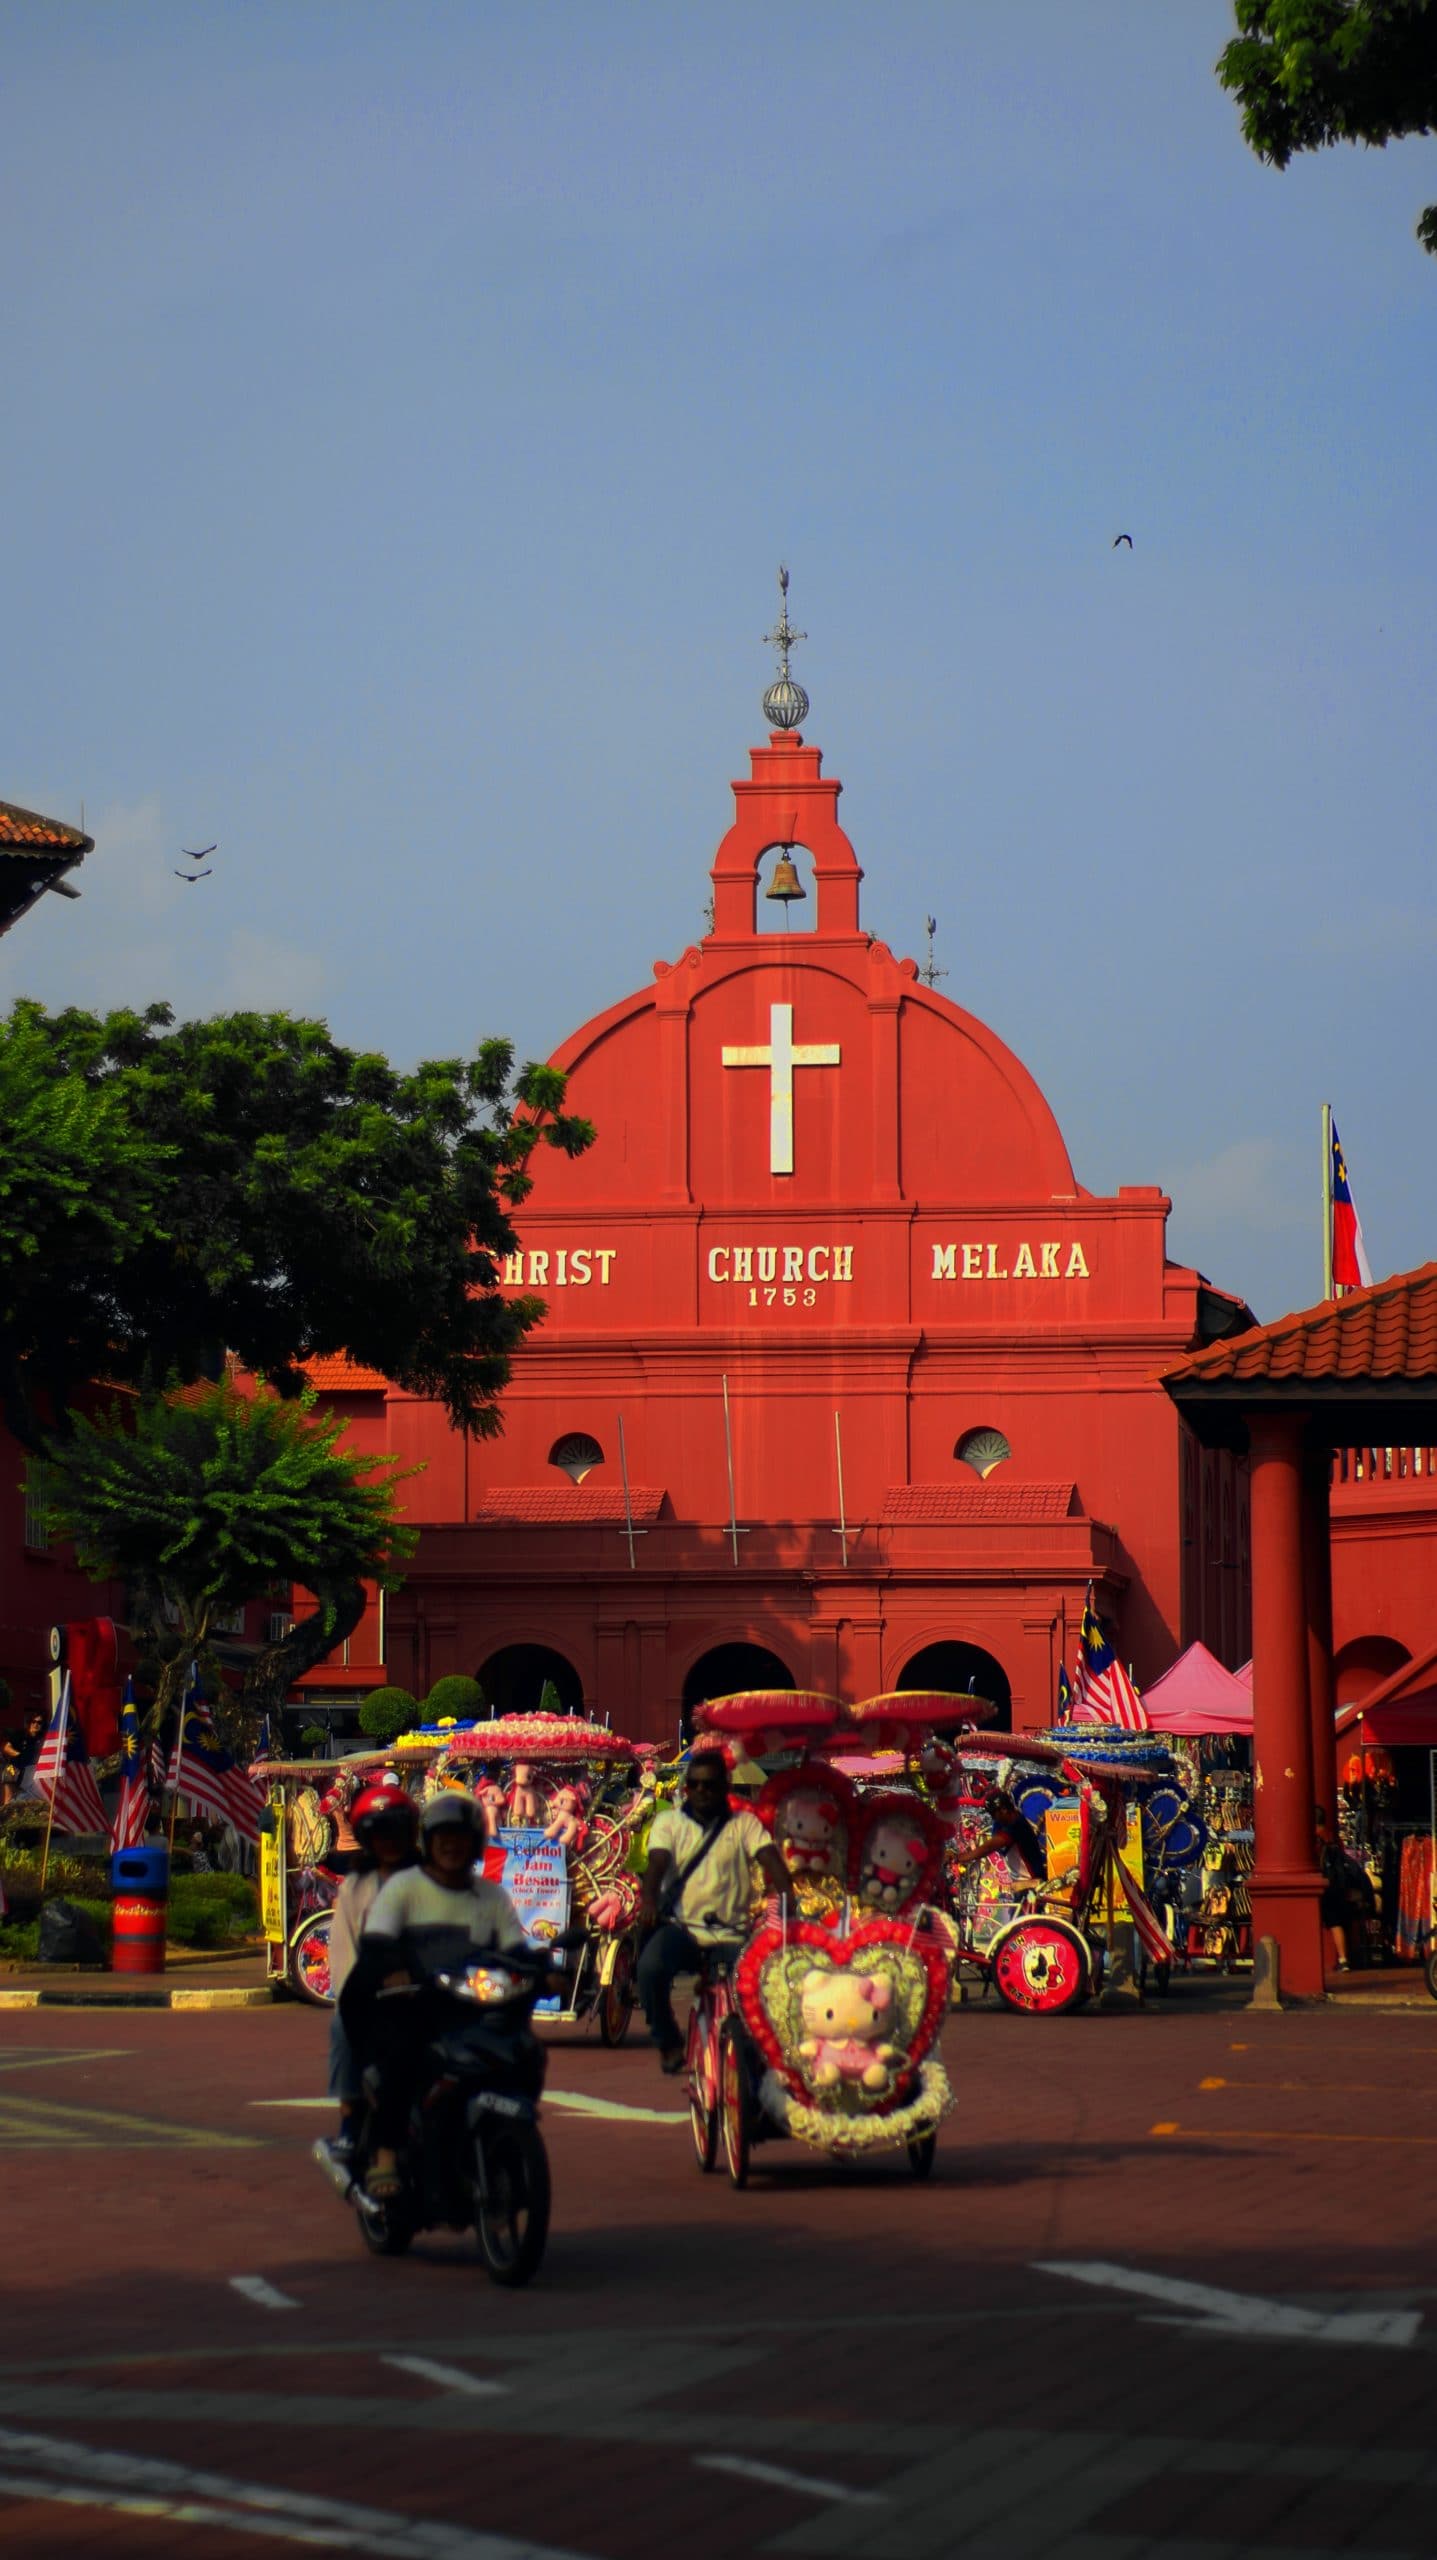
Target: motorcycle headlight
[[491, 1984]]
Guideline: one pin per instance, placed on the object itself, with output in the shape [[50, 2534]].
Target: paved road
[[827, 2364]]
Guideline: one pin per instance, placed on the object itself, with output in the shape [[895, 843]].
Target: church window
[[575, 1455], [982, 1450]]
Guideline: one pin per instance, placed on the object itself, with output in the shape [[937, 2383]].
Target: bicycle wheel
[[309, 1960], [1039, 1966], [511, 2219], [733, 2106], [703, 2116], [1431, 1972], [922, 2152], [616, 2000]]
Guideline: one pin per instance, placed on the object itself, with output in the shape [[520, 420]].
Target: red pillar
[[1285, 1884], [1317, 1567]]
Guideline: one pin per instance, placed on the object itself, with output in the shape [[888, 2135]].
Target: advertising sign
[[533, 1873]]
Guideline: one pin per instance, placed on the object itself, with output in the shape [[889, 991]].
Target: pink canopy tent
[[1198, 1696]]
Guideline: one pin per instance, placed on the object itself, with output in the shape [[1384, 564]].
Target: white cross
[[781, 1057]]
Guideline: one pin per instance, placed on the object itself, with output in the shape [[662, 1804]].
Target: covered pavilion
[[1357, 1371]]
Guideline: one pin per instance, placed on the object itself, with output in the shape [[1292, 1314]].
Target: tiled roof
[[335, 1374], [1022, 1502], [570, 1506], [1385, 1333], [25, 828]]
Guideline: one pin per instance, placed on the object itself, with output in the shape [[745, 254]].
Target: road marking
[[1211, 2308], [51, 2061], [611, 2109], [65, 2474], [449, 2375], [1310, 2088], [259, 2289], [1267, 2133], [39, 2122], [775, 2477], [292, 2102]]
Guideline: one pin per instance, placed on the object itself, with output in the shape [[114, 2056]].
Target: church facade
[[846, 1380]]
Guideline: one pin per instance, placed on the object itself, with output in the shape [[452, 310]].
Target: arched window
[[575, 1455], [982, 1450]]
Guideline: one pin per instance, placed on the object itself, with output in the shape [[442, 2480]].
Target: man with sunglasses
[[698, 1886]]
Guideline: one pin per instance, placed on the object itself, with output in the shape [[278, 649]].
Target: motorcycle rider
[[385, 1822], [431, 1919]]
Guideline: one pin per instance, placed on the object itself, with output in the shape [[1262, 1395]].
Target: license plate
[[489, 2104]]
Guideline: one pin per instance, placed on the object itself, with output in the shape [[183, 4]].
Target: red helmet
[[385, 1802]]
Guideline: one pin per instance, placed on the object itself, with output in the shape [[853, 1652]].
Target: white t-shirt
[[438, 1929], [715, 1901]]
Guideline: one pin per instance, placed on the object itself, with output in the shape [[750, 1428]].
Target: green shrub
[[19, 1941], [455, 1695], [386, 1713], [212, 1911]]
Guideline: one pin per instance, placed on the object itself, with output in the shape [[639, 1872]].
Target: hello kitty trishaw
[[825, 2028], [562, 1798]]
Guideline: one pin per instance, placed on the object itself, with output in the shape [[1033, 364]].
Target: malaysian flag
[[1350, 1266], [132, 1813], [1065, 1696], [209, 1775], [1105, 1694], [63, 1775]]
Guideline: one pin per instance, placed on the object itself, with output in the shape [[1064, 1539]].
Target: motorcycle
[[474, 2153]]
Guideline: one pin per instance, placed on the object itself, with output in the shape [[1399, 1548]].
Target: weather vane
[[785, 702], [931, 973]]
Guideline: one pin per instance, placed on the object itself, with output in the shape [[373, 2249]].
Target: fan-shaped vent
[[982, 1450], [576, 1454]]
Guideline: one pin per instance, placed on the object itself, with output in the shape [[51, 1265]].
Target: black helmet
[[451, 1810]]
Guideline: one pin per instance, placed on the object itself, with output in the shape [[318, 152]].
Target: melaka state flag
[[1350, 1266]]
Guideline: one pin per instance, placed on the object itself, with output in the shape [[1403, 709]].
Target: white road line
[[52, 2061], [66, 2474], [450, 2376], [1211, 2309], [258, 2289], [773, 2475], [611, 2108], [292, 2102]]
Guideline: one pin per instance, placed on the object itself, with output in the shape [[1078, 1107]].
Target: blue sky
[[408, 408]]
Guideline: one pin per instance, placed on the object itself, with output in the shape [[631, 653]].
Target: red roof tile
[[1386, 1332], [335, 1374], [569, 1506], [1022, 1502], [26, 827]]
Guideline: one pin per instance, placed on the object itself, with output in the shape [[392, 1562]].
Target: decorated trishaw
[[824, 2029], [305, 1849]]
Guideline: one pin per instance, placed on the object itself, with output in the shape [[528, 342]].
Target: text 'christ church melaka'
[[845, 1379]]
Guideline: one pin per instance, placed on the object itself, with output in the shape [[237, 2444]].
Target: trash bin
[[140, 1882]]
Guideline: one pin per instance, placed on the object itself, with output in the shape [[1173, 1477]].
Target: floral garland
[[827, 2132]]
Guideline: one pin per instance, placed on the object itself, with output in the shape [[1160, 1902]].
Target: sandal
[[382, 2186]]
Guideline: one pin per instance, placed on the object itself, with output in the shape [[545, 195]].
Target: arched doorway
[[727, 1667], [1364, 1662], [961, 1667], [513, 1679]]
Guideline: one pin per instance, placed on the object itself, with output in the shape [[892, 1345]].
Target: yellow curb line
[[193, 1999]]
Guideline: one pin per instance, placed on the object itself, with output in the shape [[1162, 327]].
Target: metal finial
[[785, 703], [931, 973]]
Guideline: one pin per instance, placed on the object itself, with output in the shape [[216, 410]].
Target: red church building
[[846, 1379]]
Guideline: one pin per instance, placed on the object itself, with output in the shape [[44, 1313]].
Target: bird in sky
[[192, 856], [1117, 538], [190, 877]]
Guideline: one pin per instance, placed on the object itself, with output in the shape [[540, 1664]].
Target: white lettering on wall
[[573, 1267], [979, 1261]]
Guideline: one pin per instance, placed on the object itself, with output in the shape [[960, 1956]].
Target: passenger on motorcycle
[[385, 1822], [431, 1919], [697, 1889]]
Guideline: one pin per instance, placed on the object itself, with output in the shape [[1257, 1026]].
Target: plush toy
[[808, 1810], [844, 2017], [899, 1854], [566, 1816], [489, 1796], [525, 1808]]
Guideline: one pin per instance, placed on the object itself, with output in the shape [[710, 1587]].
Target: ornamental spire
[[785, 703]]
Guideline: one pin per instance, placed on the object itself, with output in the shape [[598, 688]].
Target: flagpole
[[1327, 1288], [179, 1763], [55, 1780]]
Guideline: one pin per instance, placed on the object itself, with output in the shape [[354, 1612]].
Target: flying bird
[[1117, 538], [190, 877], [192, 856]]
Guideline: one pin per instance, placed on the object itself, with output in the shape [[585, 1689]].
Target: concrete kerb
[[196, 1996]]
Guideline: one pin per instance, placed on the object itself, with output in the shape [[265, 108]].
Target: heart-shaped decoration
[[845, 2018]]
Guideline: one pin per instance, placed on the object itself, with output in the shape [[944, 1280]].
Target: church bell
[[785, 883]]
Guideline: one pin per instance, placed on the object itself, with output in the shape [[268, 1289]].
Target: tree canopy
[[173, 1192], [1310, 72], [204, 1500]]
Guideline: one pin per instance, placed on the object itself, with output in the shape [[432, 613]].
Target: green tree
[[175, 1192], [203, 1500], [455, 1695], [1310, 72], [388, 1712]]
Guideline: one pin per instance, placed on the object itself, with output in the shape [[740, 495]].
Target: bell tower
[[785, 802]]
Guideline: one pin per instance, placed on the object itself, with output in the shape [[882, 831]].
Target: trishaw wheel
[[512, 2219], [1432, 1973], [1039, 1967], [733, 2103], [922, 2152], [309, 1961], [616, 2000], [703, 2119]]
